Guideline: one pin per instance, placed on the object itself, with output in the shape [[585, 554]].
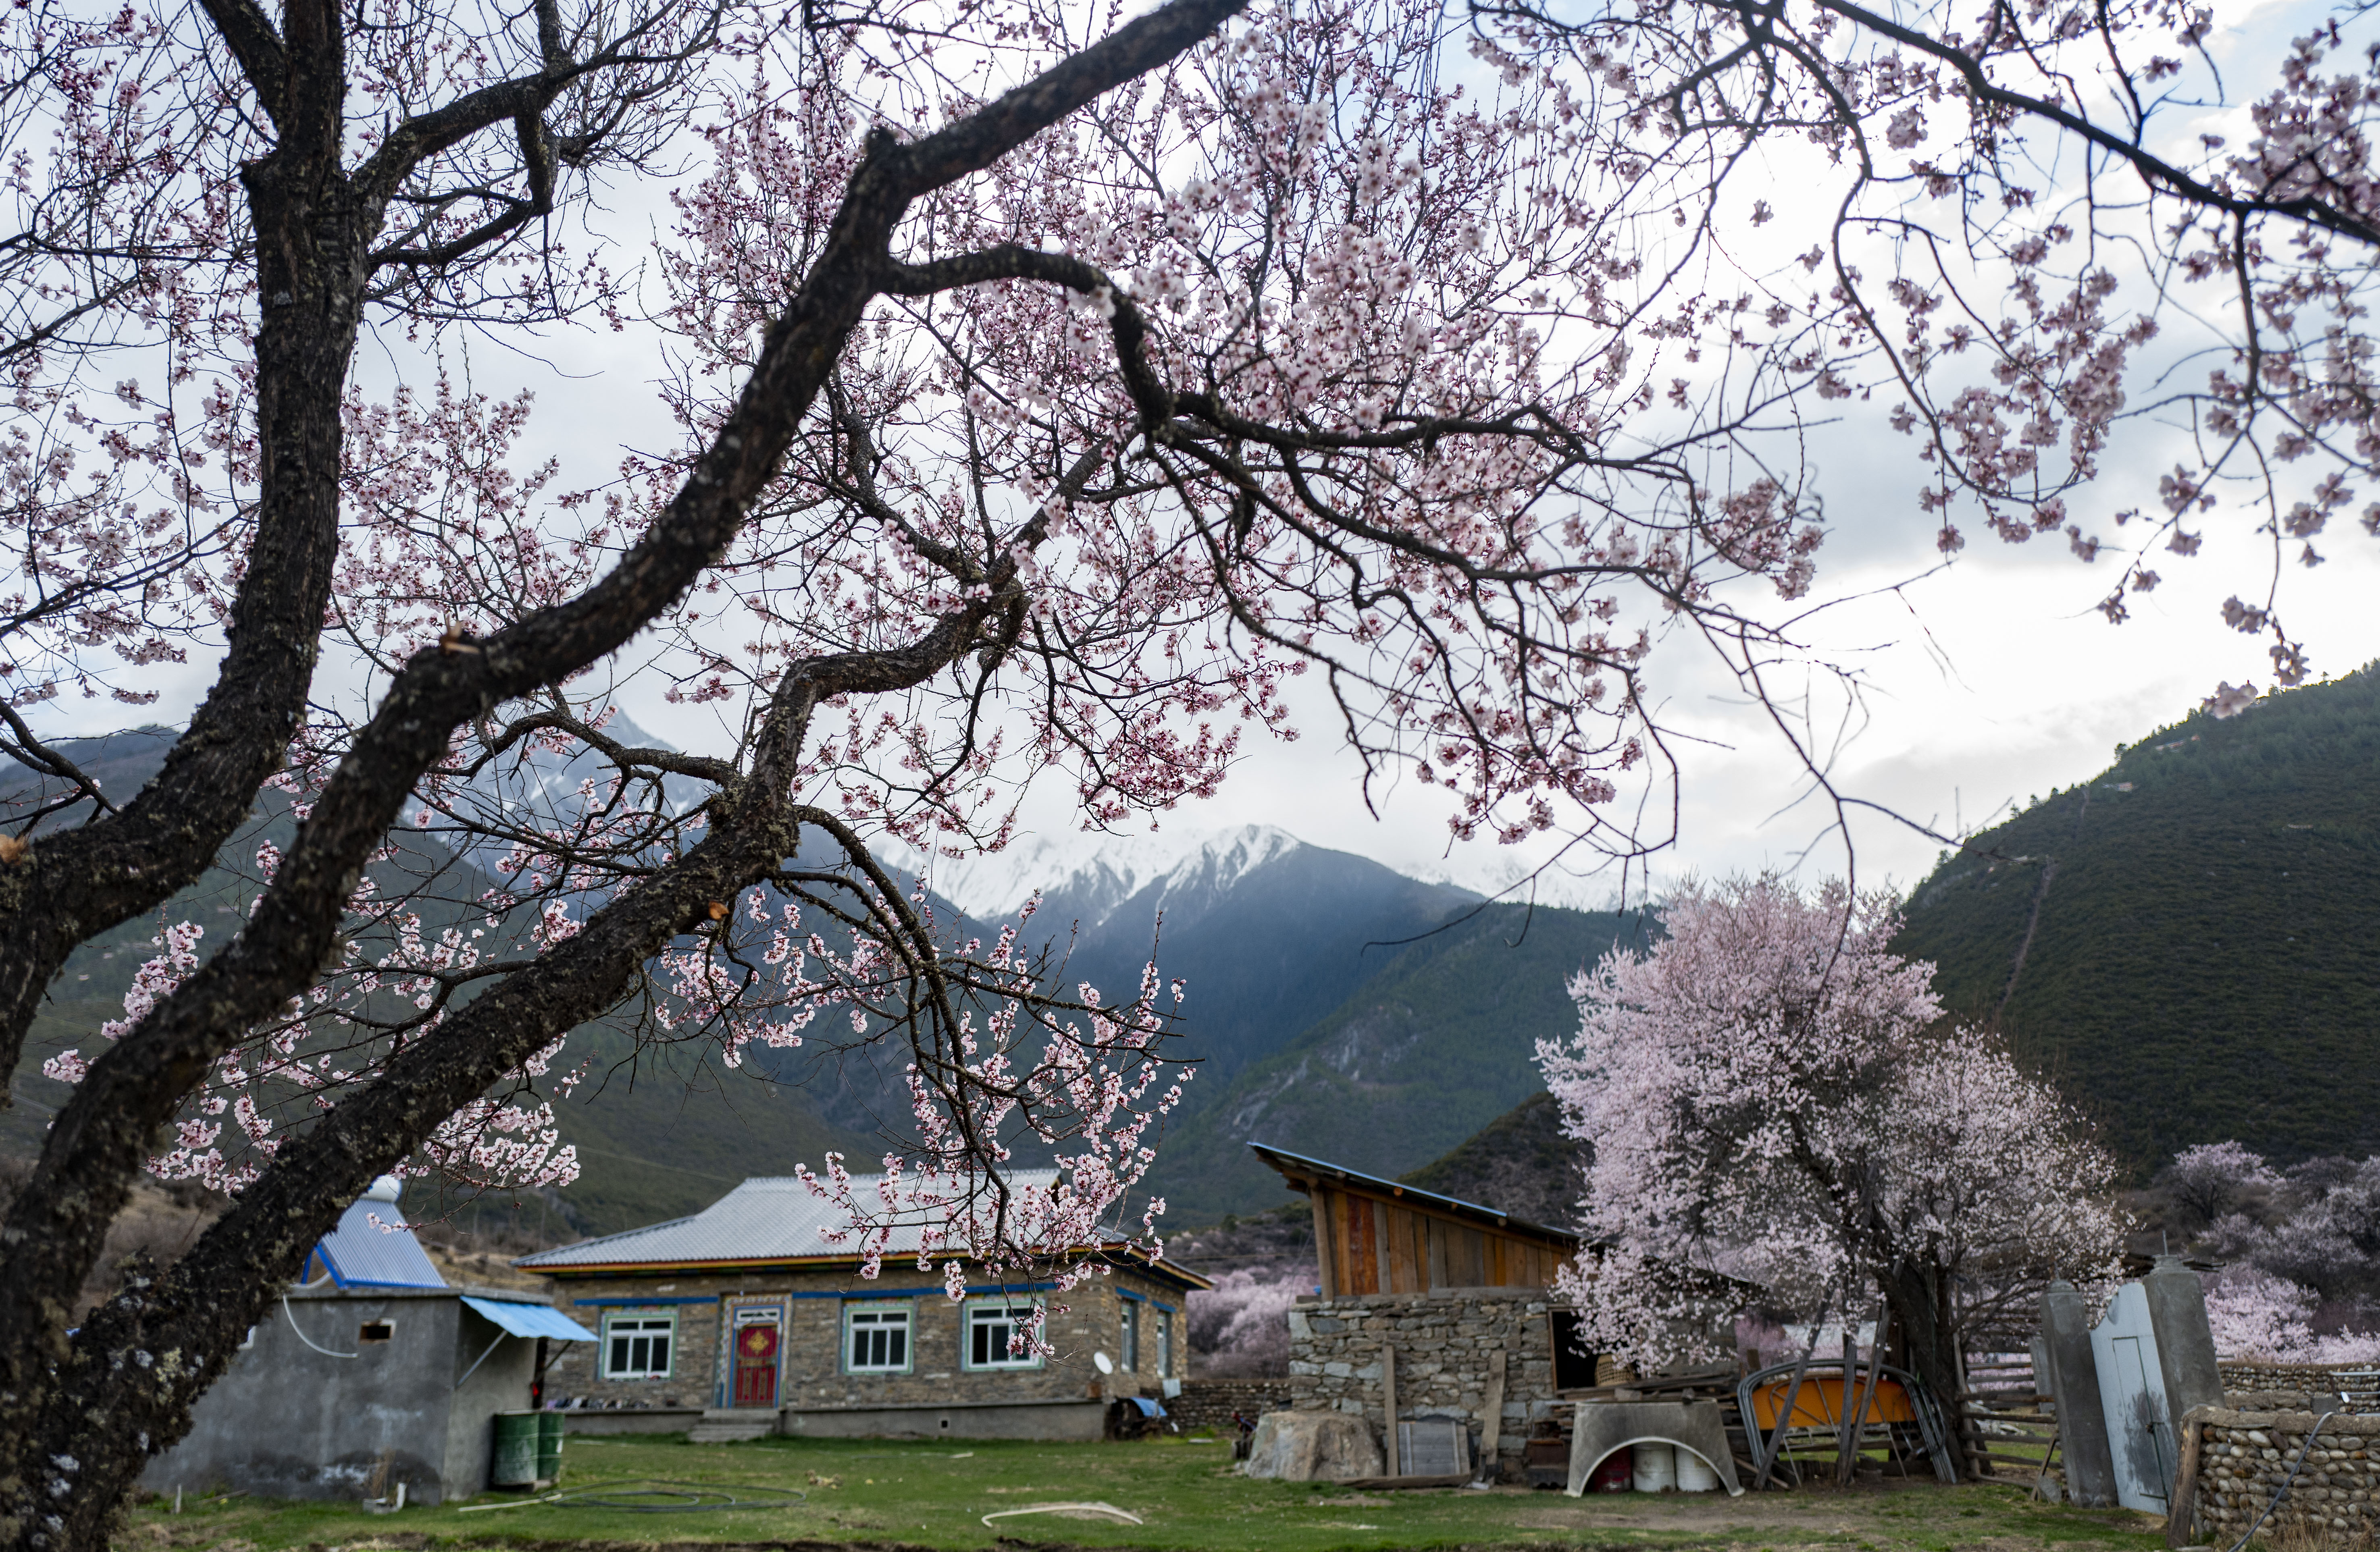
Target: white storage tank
[[1656, 1467], [1695, 1474]]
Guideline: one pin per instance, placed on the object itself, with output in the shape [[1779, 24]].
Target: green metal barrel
[[548, 1446], [516, 1442]]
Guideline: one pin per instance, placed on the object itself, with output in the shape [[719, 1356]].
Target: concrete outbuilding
[[372, 1373]]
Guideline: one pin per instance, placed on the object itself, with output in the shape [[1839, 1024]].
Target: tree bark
[[1919, 1297], [312, 269], [80, 1416]]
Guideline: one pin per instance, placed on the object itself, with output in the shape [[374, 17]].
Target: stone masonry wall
[[1209, 1403], [2243, 1457], [813, 1373], [1443, 1341], [2357, 1382]]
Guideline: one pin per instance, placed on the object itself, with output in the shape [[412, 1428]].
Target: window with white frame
[[637, 1346], [1130, 1339], [993, 1329], [875, 1337], [1164, 1343]]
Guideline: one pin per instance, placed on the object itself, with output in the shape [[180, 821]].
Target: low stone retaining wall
[[2243, 1458], [2359, 1383], [1209, 1403]]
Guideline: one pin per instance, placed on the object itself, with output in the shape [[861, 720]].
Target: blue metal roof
[[531, 1320], [383, 1254]]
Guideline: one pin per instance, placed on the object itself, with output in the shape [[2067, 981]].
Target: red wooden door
[[756, 1366]]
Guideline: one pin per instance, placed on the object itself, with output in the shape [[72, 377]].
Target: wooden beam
[[1325, 1247], [1491, 1426], [1389, 1403]]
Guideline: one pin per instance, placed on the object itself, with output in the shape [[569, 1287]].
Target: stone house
[[745, 1318], [1431, 1307], [369, 1371]]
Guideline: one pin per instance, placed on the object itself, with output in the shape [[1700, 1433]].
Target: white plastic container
[[1656, 1467], [1695, 1474]]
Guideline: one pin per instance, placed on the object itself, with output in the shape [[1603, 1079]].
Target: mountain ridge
[[2183, 941]]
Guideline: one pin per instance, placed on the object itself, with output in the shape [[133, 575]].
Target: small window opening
[[377, 1332]]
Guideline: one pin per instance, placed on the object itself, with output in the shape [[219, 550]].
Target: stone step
[[733, 1425]]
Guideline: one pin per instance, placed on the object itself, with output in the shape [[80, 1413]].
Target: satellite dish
[[1102, 1362]]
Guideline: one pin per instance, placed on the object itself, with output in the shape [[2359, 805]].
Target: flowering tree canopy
[[1766, 1093], [2301, 1251], [1239, 1328], [1047, 390]]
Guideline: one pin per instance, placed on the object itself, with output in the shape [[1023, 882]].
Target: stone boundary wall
[[2243, 1456], [1209, 1403], [2359, 1382], [1442, 1339]]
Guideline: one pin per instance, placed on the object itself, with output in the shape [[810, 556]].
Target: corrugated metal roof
[[359, 1251], [769, 1218], [1290, 1164], [524, 1319]]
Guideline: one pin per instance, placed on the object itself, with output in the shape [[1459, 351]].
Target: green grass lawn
[[934, 1495]]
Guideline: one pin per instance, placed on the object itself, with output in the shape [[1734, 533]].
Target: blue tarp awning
[[531, 1320], [1148, 1408]]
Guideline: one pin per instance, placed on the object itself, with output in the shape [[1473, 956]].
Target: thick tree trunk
[[312, 267], [1919, 1299], [80, 1416], [312, 270], [133, 1371]]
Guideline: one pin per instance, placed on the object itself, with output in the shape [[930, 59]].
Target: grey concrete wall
[[2073, 1381], [499, 1383], [289, 1421], [632, 1420], [1058, 1422], [2185, 1343]]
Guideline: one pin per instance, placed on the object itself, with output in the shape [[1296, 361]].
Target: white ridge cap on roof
[[769, 1218]]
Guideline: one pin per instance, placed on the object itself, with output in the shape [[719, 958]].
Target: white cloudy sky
[[1982, 684]]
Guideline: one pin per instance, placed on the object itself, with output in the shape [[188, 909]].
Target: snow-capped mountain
[[1085, 878]]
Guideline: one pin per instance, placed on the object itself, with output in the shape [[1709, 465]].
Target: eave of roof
[[1156, 1266], [1294, 1165]]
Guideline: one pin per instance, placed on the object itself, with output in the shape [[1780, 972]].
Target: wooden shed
[[1378, 1236]]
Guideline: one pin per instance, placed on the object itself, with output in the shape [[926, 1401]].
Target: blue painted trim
[[1145, 1299], [973, 1288]]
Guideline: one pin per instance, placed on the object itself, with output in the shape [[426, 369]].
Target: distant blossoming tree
[[1240, 1327], [2213, 1180], [1766, 1093], [2300, 1282]]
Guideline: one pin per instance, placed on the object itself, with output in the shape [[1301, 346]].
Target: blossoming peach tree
[[1050, 389], [1767, 1093]]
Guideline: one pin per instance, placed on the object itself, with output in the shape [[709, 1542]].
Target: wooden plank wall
[[1369, 1245]]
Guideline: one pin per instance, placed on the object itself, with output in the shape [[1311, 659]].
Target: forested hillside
[[2190, 942], [660, 1130], [1436, 1045]]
